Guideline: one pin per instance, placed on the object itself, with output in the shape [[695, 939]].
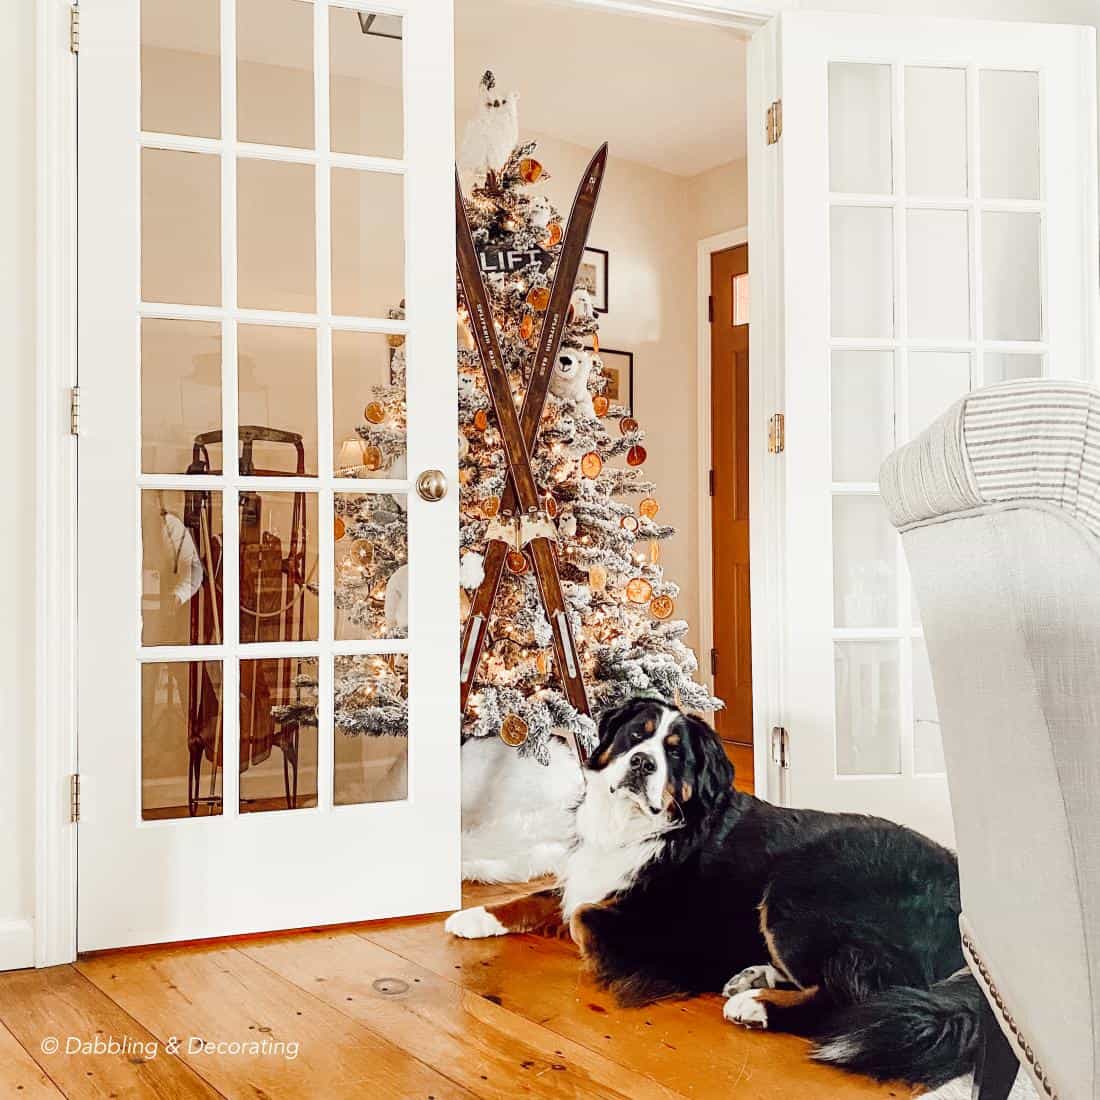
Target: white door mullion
[[325, 451], [230, 618]]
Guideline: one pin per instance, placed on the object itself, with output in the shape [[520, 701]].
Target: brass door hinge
[[777, 434], [781, 748], [774, 122], [74, 798], [74, 29], [74, 411]]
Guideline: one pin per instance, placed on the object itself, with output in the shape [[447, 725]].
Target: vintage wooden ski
[[521, 494]]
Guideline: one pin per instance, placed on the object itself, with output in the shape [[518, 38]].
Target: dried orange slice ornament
[[481, 420], [542, 662], [513, 730], [627, 425], [629, 523], [517, 562], [526, 327], [553, 234], [375, 412], [372, 458], [661, 607], [395, 339], [597, 578], [529, 170], [490, 506], [338, 528], [600, 405], [551, 505], [636, 455], [649, 508], [591, 465], [638, 590], [538, 297], [362, 551]]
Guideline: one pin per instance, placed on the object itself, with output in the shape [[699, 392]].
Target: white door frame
[[53, 931]]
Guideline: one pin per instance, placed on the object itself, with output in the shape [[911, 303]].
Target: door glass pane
[[864, 563], [860, 113], [181, 567], [180, 227], [366, 108], [368, 404], [939, 274], [278, 566], [1010, 134], [368, 242], [1012, 268], [937, 379], [278, 760], [868, 735], [180, 67], [371, 566], [862, 271], [371, 750], [182, 728], [935, 131], [1002, 366], [181, 390], [277, 399], [276, 253], [862, 413], [927, 742], [275, 72]]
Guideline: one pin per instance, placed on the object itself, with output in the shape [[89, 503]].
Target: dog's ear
[[713, 770], [609, 725]]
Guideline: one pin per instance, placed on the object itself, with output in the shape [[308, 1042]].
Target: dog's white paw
[[474, 924], [746, 1010], [752, 977]]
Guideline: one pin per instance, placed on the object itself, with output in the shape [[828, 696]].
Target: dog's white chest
[[614, 844]]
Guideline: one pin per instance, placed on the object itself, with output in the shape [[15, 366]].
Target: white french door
[[267, 739], [935, 231]]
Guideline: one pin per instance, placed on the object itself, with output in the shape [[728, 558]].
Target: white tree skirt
[[515, 811]]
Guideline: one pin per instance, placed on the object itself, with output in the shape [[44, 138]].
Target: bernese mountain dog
[[838, 927]]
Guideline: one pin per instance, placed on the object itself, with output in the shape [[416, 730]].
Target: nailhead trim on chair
[[998, 1000]]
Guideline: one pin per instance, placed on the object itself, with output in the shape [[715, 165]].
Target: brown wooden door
[[729, 426]]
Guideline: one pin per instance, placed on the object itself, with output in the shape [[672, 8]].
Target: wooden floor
[[391, 1009]]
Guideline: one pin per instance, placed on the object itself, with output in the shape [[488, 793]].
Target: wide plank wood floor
[[389, 1009]]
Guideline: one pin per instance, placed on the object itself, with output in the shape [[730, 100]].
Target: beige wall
[[17, 444]]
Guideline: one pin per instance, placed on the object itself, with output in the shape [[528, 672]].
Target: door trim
[[719, 242], [55, 839]]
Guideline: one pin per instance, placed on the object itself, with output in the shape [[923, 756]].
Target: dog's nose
[[643, 762], [564, 360]]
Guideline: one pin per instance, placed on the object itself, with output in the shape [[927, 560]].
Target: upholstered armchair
[[998, 503]]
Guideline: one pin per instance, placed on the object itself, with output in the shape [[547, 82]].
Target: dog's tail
[[921, 1036]]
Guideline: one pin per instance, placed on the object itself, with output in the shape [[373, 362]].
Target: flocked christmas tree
[[588, 462]]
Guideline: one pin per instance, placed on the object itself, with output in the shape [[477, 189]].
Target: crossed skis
[[520, 505]]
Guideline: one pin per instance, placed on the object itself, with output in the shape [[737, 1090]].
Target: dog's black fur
[[861, 914]]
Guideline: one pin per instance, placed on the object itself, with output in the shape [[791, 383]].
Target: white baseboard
[[16, 944]]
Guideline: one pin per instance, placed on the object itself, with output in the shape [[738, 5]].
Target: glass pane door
[[926, 194], [261, 308]]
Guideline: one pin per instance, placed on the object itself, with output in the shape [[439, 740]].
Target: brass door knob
[[431, 485]]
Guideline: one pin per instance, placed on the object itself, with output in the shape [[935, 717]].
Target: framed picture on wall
[[618, 369], [593, 276]]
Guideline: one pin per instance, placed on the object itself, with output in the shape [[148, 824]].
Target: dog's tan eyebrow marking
[[672, 739], [650, 725]]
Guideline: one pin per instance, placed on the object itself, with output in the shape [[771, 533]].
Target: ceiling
[[662, 92]]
